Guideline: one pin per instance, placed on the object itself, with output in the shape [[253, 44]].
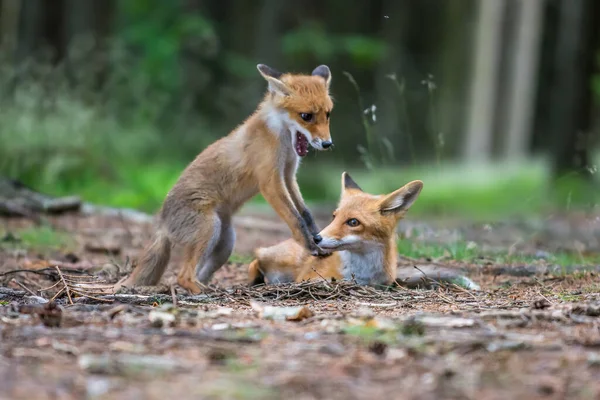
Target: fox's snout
[[322, 144], [332, 243]]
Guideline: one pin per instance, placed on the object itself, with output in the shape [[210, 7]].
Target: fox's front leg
[[276, 193], [294, 190]]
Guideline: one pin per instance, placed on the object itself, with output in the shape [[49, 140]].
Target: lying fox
[[261, 155], [362, 236]]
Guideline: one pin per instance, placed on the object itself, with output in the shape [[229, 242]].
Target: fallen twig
[[58, 293], [91, 297], [174, 295], [65, 283], [25, 287]]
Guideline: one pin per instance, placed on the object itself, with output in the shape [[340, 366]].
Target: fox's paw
[[189, 285], [324, 254], [317, 251]]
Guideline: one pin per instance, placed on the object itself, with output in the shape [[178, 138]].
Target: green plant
[[404, 116], [369, 155], [40, 239]]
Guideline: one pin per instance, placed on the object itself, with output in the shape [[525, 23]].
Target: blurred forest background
[[492, 103]]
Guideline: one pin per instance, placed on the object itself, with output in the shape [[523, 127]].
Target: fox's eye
[[333, 216], [353, 222], [306, 117], [327, 114]]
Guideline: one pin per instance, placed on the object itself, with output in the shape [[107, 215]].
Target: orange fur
[[261, 155], [365, 250]]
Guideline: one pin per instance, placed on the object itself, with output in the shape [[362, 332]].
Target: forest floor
[[532, 331]]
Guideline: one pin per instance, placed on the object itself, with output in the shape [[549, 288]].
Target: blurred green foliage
[[117, 120], [311, 40], [157, 32]]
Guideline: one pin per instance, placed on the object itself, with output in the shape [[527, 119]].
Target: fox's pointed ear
[[268, 72], [273, 76], [348, 183], [401, 199], [324, 72]]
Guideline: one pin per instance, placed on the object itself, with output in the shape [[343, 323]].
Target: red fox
[[362, 236], [261, 155]]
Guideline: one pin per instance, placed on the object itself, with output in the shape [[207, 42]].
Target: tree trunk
[[267, 42], [9, 24], [29, 28], [479, 140], [79, 19], [523, 78], [571, 106], [454, 54], [392, 123]]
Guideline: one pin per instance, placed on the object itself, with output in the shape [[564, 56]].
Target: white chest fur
[[365, 267]]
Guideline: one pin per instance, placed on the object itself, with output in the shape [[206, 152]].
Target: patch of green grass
[[132, 186], [241, 258], [413, 328], [568, 297], [40, 239], [593, 288], [364, 332], [236, 384], [481, 192], [459, 251], [245, 333], [236, 366], [469, 252], [234, 387], [489, 193], [368, 333], [4, 303]]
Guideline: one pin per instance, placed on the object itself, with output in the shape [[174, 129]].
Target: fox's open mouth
[[301, 144]]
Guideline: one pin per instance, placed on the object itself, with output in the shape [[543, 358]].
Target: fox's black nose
[[326, 144], [317, 238]]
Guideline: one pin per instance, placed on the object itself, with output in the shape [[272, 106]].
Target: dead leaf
[[281, 313], [447, 322]]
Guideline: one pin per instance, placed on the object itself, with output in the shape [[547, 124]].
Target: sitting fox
[[362, 236], [261, 155]]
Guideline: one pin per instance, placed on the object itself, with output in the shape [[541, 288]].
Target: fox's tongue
[[301, 144]]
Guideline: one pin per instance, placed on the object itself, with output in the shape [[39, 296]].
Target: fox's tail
[[153, 262]]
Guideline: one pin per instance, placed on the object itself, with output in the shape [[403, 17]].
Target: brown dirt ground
[[535, 336]]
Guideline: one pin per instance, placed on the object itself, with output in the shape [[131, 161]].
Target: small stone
[[160, 318], [333, 349], [35, 300], [544, 255], [97, 387], [128, 364], [312, 335], [220, 327], [593, 359]]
